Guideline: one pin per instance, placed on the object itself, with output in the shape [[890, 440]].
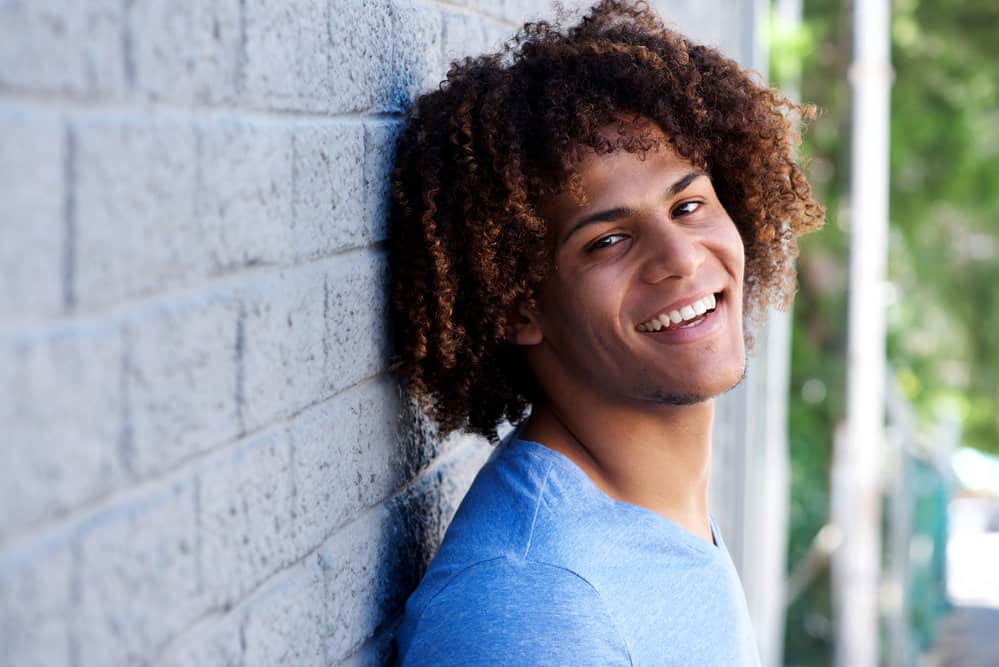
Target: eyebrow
[[618, 212]]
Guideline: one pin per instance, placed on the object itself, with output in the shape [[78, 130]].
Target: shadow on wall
[[199, 455], [420, 514]]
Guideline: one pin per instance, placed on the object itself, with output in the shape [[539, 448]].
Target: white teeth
[[686, 313]]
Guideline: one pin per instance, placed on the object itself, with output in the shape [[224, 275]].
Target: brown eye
[[686, 208], [605, 242]]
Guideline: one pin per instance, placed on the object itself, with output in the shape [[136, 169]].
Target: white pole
[[857, 463], [775, 494]]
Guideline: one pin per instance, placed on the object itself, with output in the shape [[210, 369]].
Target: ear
[[524, 328]]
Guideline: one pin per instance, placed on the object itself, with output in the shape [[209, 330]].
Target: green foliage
[[944, 332], [820, 50], [943, 328]]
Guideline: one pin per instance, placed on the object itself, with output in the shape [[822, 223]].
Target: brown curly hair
[[507, 129]]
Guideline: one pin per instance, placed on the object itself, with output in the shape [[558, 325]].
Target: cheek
[[734, 251], [581, 303]]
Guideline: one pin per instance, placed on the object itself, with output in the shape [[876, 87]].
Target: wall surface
[[202, 458]]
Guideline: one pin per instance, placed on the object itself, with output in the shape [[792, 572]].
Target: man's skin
[[633, 409]]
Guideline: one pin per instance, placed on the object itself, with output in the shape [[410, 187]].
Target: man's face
[[651, 245]]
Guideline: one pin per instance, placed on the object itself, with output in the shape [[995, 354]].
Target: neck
[[656, 457]]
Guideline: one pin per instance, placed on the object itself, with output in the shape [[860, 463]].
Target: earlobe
[[524, 328]]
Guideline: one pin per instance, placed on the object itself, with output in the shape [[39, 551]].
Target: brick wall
[[202, 458]]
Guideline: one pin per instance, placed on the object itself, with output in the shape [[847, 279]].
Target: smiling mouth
[[686, 317]]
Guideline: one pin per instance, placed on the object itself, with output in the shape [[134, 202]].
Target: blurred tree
[[943, 323], [944, 329]]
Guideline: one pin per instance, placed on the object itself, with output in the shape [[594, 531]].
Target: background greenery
[[943, 321]]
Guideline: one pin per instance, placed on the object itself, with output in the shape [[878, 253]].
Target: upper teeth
[[688, 312]]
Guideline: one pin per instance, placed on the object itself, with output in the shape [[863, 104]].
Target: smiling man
[[580, 225]]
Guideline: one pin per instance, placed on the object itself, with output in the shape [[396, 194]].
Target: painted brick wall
[[202, 458]]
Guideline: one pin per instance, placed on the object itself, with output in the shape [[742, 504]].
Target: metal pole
[[857, 462]]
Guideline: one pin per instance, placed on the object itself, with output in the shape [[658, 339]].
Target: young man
[[578, 223]]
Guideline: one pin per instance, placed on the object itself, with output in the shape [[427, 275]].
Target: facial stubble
[[662, 396]]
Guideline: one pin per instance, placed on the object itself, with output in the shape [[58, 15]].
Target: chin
[[692, 395]]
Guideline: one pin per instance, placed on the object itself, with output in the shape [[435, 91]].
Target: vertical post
[[857, 460], [787, 15], [900, 435]]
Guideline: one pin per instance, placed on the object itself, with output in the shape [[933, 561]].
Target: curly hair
[[505, 130]]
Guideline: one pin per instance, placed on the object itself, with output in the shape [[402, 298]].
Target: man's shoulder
[[524, 504], [496, 515], [511, 610], [498, 580]]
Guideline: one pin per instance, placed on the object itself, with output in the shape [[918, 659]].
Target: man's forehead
[[597, 172]]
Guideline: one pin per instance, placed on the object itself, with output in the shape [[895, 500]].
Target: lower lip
[[707, 327]]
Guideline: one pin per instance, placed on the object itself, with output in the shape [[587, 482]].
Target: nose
[[671, 251]]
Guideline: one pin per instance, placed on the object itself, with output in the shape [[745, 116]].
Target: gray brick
[[159, 205], [136, 229], [35, 604], [329, 189], [518, 12], [60, 46], [181, 379], [244, 192], [186, 51], [301, 57], [284, 358], [511, 14], [496, 35], [246, 515], [381, 556], [364, 561], [464, 35], [287, 54], [419, 57], [312, 331], [426, 508], [698, 20], [378, 651], [361, 62], [61, 411], [284, 620], [346, 458], [356, 321], [212, 643], [140, 582], [379, 148], [32, 226]]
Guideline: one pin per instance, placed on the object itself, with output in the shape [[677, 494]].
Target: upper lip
[[680, 303]]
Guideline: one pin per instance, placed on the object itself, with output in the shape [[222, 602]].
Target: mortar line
[[128, 44], [82, 512], [212, 284], [144, 109], [475, 12], [125, 448], [239, 71], [69, 221], [218, 611]]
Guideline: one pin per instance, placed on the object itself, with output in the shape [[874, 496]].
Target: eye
[[605, 242], [686, 208]]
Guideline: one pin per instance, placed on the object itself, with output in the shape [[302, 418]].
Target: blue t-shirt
[[541, 567]]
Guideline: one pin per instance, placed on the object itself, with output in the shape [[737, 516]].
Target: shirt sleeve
[[515, 612]]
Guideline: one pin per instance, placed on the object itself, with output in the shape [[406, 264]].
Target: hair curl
[[507, 129]]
